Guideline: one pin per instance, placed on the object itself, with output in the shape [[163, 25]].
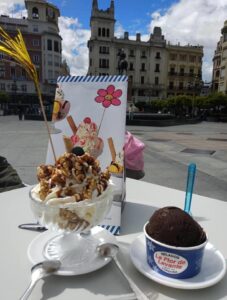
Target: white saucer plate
[[88, 259], [212, 271]]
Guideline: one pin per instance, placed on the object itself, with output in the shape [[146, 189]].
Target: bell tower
[[41, 10], [102, 22], [95, 5], [112, 6], [102, 37]]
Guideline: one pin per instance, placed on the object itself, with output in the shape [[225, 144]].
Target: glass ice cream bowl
[[67, 216], [73, 197], [72, 226]]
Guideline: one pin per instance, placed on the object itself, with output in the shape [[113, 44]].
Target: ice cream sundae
[[85, 136], [73, 194]]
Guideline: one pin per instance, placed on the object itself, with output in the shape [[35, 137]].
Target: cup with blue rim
[[171, 261]]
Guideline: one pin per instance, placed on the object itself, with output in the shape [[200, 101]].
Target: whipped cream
[[67, 214]]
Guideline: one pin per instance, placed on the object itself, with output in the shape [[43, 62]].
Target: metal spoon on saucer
[[39, 271], [111, 250]]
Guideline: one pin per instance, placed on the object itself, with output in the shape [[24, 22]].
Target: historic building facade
[[156, 69], [184, 70], [219, 76], [41, 34]]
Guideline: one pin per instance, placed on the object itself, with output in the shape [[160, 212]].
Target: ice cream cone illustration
[[68, 143], [116, 166], [112, 148], [72, 124]]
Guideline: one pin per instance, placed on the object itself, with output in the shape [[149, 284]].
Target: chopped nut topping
[[72, 170]]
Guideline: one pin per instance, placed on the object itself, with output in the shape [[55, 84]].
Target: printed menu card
[[89, 112]]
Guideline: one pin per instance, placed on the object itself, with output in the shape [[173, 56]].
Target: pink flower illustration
[[109, 96]]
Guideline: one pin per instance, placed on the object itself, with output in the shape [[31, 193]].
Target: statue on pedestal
[[122, 62]]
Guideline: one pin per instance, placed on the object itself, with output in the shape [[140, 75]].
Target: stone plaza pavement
[[168, 152]]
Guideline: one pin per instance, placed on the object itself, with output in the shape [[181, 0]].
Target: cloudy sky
[[182, 21]]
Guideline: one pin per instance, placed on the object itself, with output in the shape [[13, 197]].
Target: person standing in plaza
[[20, 113]]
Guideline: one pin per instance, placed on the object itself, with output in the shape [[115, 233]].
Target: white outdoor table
[[106, 283]]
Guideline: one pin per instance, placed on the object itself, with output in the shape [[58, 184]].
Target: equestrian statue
[[122, 62]]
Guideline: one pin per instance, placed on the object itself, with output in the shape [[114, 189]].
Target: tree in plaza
[[4, 98], [157, 105], [179, 105], [184, 104], [201, 102], [171, 104], [217, 101], [140, 105]]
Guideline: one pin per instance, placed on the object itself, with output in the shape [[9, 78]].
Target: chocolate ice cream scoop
[[174, 227]]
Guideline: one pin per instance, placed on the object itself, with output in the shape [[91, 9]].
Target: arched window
[[35, 13], [217, 73], [103, 32], [50, 13], [107, 32]]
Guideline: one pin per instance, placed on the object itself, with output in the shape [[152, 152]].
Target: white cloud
[[119, 30], [63, 3], [13, 8], [74, 45], [194, 22]]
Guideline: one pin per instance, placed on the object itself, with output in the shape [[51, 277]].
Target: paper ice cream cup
[[174, 262]]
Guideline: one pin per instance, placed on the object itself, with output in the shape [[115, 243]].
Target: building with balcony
[[41, 34], [219, 76], [156, 69], [184, 70]]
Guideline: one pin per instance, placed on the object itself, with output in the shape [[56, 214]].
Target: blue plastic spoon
[[189, 188]]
